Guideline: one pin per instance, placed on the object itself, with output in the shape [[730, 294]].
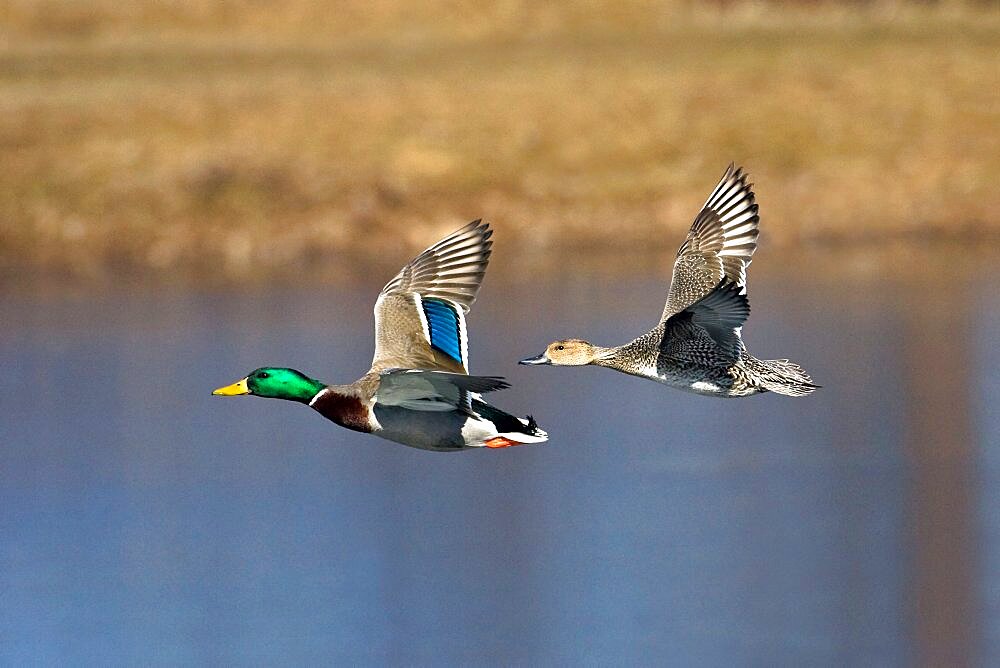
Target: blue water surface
[[143, 521]]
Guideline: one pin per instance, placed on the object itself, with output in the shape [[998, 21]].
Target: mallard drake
[[418, 391], [697, 344]]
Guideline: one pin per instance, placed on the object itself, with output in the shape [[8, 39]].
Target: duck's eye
[[560, 347], [263, 374]]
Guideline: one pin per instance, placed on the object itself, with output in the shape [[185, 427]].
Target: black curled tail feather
[[532, 427], [505, 422]]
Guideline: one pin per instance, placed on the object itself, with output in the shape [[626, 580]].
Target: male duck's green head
[[274, 383]]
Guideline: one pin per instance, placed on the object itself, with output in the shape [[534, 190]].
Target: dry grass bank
[[228, 138]]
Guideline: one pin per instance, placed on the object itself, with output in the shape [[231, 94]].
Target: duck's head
[[274, 383], [567, 352]]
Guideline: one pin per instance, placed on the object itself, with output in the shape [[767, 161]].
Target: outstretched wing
[[420, 315], [421, 390], [708, 331], [719, 245]]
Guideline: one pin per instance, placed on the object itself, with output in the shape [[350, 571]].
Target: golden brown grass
[[234, 139]]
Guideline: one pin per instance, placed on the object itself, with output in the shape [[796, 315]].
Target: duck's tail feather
[[783, 377], [510, 428], [530, 432]]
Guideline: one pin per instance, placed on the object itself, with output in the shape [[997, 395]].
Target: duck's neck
[[608, 357], [344, 405], [298, 387]]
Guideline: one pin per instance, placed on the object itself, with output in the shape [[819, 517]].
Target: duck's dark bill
[[540, 359], [236, 388]]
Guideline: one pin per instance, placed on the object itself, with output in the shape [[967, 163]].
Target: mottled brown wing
[[719, 245], [420, 315]]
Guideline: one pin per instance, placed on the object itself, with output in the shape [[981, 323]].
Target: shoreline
[[194, 150], [906, 262]]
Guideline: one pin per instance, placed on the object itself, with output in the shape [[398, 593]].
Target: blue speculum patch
[[442, 320]]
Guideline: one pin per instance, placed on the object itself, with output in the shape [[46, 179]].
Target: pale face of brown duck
[[567, 352]]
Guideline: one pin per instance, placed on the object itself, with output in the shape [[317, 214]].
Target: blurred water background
[[145, 521]]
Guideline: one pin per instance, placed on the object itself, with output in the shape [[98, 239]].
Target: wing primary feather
[[719, 245], [450, 271], [722, 182]]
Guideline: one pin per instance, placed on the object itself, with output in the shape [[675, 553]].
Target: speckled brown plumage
[[719, 245], [697, 345]]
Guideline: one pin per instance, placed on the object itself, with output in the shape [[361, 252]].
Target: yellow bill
[[239, 387]]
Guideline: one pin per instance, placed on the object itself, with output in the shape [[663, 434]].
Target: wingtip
[[739, 173], [480, 224], [480, 227]]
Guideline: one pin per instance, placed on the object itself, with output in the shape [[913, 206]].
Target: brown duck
[[697, 346]]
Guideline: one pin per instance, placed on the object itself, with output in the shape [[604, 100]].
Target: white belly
[[703, 387]]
